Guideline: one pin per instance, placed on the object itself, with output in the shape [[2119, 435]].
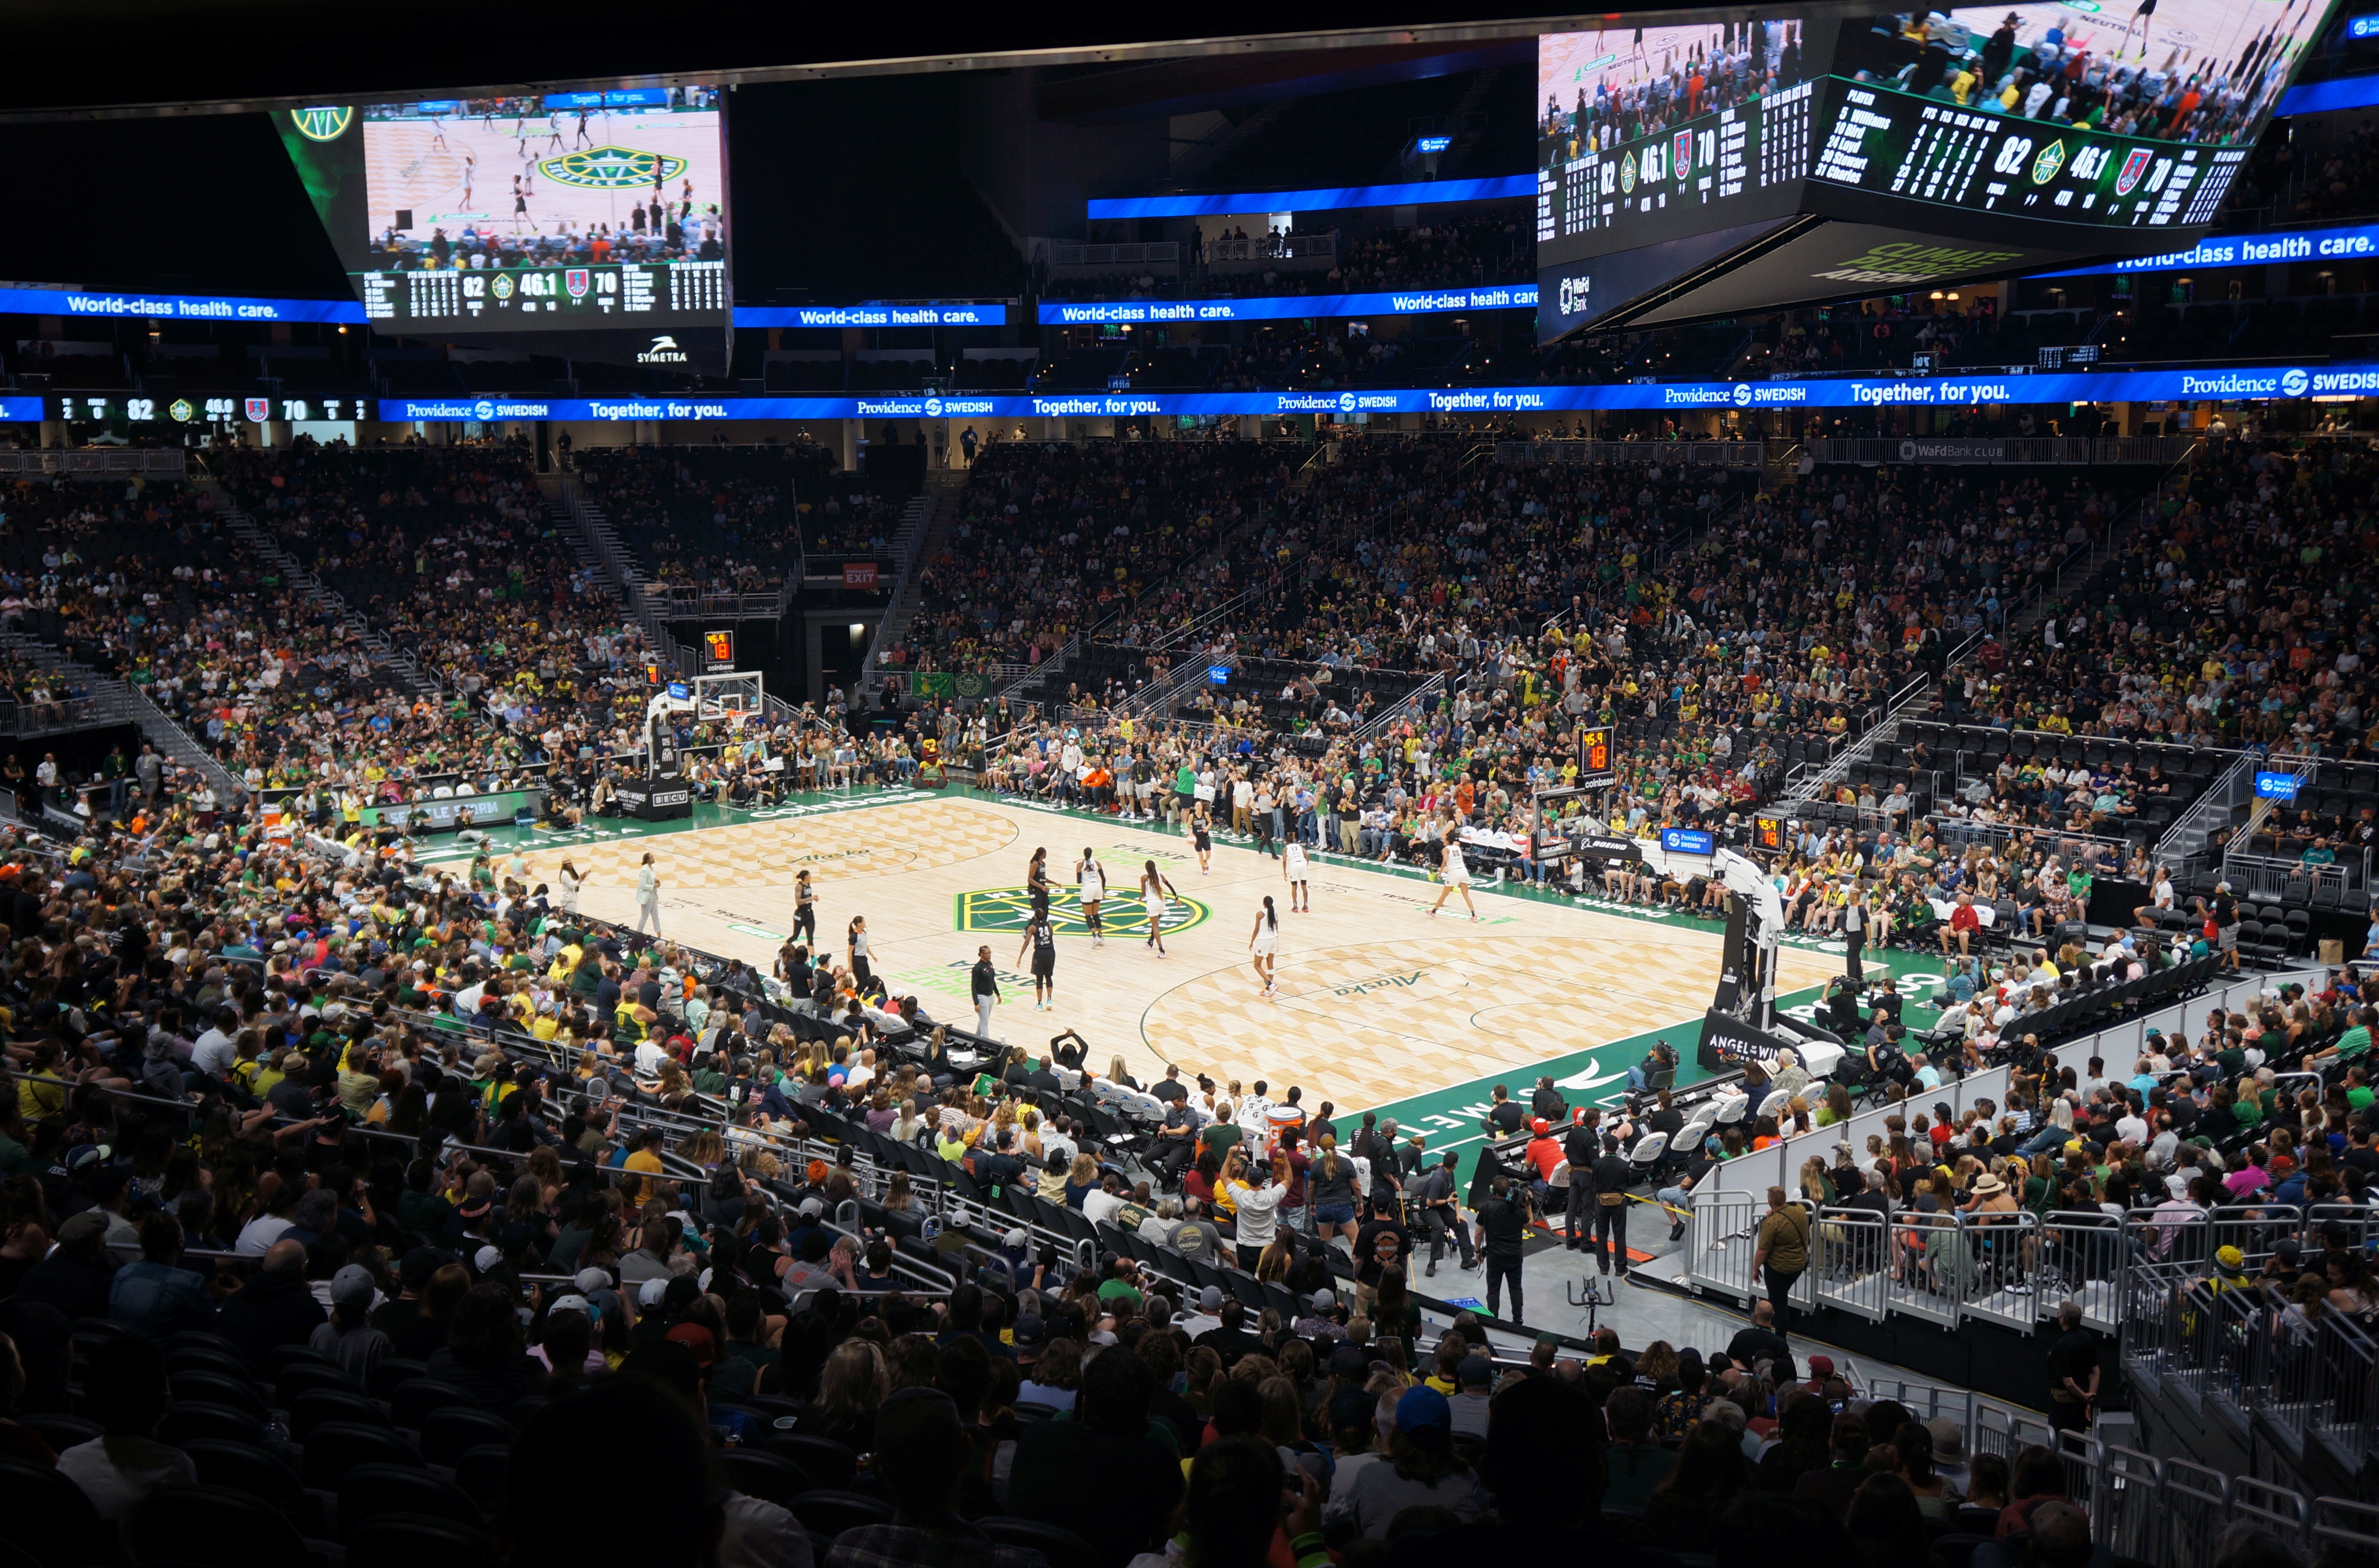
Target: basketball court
[[424, 167], [1379, 1001]]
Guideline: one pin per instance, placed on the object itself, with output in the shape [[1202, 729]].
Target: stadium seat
[[831, 1464], [770, 1477], [367, 1491], [48, 1517], [214, 1527], [201, 1419], [447, 1432], [336, 1447], [827, 1514], [316, 1406], [1060, 1547], [407, 1540], [410, 1403]]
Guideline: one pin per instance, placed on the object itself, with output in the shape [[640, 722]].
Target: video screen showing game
[[1645, 133], [2137, 114], [560, 210]]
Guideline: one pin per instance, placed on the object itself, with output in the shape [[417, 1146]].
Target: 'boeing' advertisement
[[2259, 383], [1281, 306]]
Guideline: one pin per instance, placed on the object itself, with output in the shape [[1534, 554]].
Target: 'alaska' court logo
[[611, 168], [1010, 909], [322, 124]]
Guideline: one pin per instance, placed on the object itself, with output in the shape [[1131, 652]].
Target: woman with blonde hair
[[1082, 1180], [1332, 1179], [1272, 1263], [852, 1384]]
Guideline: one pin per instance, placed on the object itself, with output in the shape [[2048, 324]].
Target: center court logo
[[2295, 384], [1010, 909], [612, 168]]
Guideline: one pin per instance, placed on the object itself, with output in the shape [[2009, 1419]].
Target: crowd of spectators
[[1052, 538], [445, 553], [725, 520], [2237, 614], [261, 1099]]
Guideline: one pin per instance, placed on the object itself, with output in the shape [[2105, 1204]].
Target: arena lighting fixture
[[1937, 293], [857, 627], [1953, 293]]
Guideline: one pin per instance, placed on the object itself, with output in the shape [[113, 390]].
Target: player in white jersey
[[1092, 878], [1452, 872], [1154, 891], [1292, 870], [1264, 944]]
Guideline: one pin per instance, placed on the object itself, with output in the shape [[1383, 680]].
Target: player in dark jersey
[[1041, 940]]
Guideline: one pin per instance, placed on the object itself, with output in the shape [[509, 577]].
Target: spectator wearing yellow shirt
[[644, 1157]]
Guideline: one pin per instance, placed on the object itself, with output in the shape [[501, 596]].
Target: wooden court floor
[[1378, 1000]]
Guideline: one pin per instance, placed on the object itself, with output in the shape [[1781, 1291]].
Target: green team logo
[[181, 409], [611, 168], [2051, 158], [322, 124], [1627, 174], [1010, 909]]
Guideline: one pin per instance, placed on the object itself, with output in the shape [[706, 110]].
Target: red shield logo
[[578, 280], [260, 409]]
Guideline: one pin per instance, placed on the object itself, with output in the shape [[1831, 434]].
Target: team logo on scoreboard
[[1627, 174], [578, 280], [322, 124], [181, 409], [260, 409], [1681, 151], [502, 286], [611, 168], [2049, 161], [2134, 165]]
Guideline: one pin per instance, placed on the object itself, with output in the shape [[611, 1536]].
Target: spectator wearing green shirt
[[2350, 1047]]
